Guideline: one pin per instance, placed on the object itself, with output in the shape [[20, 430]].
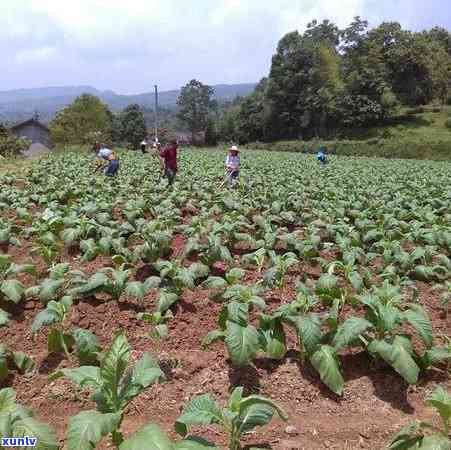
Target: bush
[[11, 145]]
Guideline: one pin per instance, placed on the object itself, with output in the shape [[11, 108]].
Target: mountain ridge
[[18, 104]]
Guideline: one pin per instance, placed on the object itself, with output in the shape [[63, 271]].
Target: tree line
[[325, 82]]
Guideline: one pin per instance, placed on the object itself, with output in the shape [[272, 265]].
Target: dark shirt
[[169, 154]]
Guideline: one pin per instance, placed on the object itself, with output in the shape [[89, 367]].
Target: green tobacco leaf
[[115, 362], [49, 290], [7, 400], [4, 318], [151, 437], [326, 363], [407, 438], [441, 401], [29, 426], [152, 283], [212, 336], [136, 289], [84, 376], [87, 428], [86, 345], [272, 336], [202, 410], [57, 341], [327, 287], [419, 319], [309, 332], [242, 343], [349, 331], [398, 356], [165, 301], [436, 355], [59, 270], [13, 290], [256, 410], [44, 318], [215, 283], [435, 442], [23, 362]]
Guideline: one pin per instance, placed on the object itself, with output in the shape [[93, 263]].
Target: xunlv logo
[[16, 441]]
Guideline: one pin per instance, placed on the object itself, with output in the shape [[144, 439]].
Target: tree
[[78, 122], [11, 145], [211, 134], [195, 103], [132, 126]]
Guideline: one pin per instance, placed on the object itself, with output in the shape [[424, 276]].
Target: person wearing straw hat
[[232, 163]]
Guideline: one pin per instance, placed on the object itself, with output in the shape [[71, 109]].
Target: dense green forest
[[330, 82]]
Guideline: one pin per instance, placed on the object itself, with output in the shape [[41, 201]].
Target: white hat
[[234, 148]]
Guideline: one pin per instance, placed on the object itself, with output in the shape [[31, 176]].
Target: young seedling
[[424, 435], [114, 388], [240, 416]]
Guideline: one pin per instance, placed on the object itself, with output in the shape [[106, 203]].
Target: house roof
[[32, 121]]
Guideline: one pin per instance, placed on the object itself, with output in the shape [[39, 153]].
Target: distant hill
[[20, 104]]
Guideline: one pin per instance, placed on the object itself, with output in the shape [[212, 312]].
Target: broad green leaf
[[326, 363], [146, 371], [87, 428], [441, 401], [166, 300], [57, 341], [215, 283], [13, 290], [149, 437], [398, 356], [202, 410], [86, 345], [44, 318], [23, 362], [435, 442], [436, 355], [49, 290], [349, 331], [212, 336], [418, 318], [136, 289], [242, 343], [84, 376], [272, 336], [407, 438], [7, 400], [309, 332], [238, 313], [4, 318], [152, 283], [256, 414], [59, 270], [29, 426], [115, 362]]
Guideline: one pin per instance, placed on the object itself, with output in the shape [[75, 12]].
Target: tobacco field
[[306, 309]]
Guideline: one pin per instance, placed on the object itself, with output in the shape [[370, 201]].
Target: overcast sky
[[129, 45]]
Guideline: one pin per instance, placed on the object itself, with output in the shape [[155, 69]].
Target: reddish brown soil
[[376, 402]]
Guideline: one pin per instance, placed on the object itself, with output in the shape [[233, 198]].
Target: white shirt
[[143, 143], [104, 153], [233, 161]]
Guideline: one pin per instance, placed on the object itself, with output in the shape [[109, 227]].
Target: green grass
[[411, 136]]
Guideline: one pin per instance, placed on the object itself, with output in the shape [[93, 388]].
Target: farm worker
[[232, 166], [104, 152], [321, 155], [143, 146], [113, 165], [169, 156]]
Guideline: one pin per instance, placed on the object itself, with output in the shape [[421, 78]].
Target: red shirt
[[169, 154]]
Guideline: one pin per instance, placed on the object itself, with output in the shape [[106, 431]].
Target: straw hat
[[234, 148]]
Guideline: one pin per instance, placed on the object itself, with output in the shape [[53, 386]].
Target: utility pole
[[156, 113]]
